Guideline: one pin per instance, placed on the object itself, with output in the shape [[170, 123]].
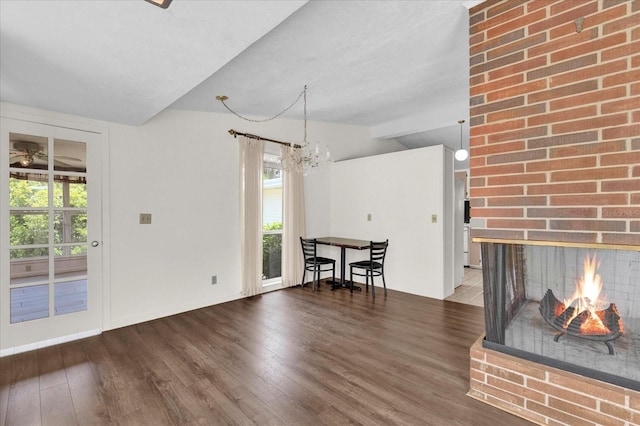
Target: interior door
[[50, 238]]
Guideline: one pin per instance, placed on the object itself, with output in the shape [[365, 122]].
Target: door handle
[[95, 243]]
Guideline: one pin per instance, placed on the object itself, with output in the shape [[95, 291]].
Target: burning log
[[584, 320], [603, 325]]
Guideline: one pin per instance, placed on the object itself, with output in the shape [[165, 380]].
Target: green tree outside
[[272, 251], [29, 227]]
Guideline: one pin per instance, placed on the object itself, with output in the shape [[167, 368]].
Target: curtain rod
[[249, 135]]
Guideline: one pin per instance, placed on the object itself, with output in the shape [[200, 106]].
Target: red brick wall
[[555, 120]]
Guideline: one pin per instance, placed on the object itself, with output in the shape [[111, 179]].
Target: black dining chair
[[374, 267], [314, 263]]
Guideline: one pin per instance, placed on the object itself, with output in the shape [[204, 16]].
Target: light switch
[[368, 217], [145, 218], [434, 218]]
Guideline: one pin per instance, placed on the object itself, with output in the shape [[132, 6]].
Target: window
[[271, 220]]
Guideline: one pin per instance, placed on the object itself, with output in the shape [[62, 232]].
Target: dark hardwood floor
[[290, 357]]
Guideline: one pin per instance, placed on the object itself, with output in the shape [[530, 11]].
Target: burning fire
[[585, 319], [587, 298]]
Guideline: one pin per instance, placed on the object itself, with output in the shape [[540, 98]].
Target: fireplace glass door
[[576, 308]]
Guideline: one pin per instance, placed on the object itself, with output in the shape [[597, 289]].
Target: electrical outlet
[[434, 218], [214, 279], [145, 218]]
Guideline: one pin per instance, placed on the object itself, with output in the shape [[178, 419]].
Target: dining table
[[344, 244]]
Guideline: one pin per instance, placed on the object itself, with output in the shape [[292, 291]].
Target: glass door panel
[[70, 226], [70, 156], [70, 262], [28, 189], [29, 265], [70, 296], [29, 303], [28, 227], [69, 191], [28, 151]]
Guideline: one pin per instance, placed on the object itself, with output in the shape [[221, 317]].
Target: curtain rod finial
[[232, 133]]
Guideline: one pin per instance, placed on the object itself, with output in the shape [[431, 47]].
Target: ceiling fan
[[160, 3], [25, 153]]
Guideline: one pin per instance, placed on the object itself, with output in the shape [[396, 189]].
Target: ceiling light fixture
[[160, 3], [461, 154], [304, 158], [27, 160]]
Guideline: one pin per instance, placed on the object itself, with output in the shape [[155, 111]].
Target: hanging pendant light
[[461, 154]]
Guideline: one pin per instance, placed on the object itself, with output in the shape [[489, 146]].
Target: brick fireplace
[[555, 161]]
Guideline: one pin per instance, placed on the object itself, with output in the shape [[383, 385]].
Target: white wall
[[182, 167], [401, 191], [188, 180]]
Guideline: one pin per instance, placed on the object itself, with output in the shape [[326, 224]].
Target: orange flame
[[587, 298]]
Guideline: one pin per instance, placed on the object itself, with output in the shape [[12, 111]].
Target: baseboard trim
[[49, 342]]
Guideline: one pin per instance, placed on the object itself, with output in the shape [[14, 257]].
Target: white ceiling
[[121, 61], [398, 67]]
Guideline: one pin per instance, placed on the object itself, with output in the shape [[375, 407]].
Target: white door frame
[[100, 138]]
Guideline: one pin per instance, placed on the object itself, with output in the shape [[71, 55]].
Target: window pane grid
[[47, 207]]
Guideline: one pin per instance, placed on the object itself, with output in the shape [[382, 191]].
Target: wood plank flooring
[[290, 357]]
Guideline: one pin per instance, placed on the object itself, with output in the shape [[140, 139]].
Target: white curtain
[[293, 219], [251, 158]]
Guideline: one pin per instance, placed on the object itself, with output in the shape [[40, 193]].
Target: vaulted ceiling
[[398, 67]]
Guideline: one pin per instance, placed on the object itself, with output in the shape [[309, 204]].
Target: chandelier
[[303, 157]]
